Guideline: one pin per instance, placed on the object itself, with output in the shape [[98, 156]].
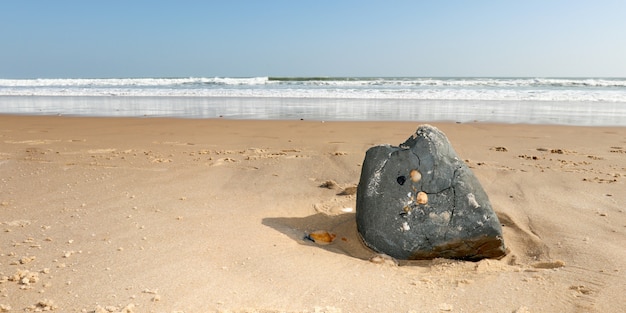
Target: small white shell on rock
[[472, 200], [422, 198], [415, 176]]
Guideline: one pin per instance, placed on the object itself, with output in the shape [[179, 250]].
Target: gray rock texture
[[420, 201]]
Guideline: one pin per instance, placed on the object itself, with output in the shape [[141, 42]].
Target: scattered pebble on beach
[[149, 291], [113, 309], [383, 259], [348, 191], [499, 149], [330, 184], [24, 278], [67, 254], [27, 259], [528, 157], [45, 305]]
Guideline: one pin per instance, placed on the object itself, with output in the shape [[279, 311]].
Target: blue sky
[[86, 39]]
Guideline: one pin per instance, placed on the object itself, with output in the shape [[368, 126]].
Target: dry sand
[[173, 215]]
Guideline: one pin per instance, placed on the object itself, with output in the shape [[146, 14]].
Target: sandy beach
[[210, 215]]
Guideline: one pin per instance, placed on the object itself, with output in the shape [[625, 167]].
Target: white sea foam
[[499, 89], [441, 94], [126, 82], [322, 81]]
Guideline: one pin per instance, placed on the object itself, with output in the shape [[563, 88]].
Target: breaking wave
[[502, 89]]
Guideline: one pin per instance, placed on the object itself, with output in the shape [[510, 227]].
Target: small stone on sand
[[330, 184], [500, 149], [348, 191], [321, 237]]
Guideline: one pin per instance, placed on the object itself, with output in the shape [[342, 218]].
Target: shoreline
[[328, 109], [175, 214]]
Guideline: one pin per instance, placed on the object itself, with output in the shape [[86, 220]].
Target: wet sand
[[183, 215]]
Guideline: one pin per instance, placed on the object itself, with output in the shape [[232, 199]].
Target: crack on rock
[[419, 161], [428, 242], [454, 204], [452, 210]]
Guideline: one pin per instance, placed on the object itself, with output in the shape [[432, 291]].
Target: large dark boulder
[[420, 201]]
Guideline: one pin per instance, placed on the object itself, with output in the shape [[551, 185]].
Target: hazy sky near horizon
[[148, 38]]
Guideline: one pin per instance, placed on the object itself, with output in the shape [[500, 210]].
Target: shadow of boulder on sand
[[347, 240], [526, 249]]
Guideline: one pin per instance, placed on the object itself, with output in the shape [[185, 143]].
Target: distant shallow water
[[582, 113]]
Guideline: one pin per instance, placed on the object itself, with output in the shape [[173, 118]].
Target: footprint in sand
[[337, 205], [222, 161]]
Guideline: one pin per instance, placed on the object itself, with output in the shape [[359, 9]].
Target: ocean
[[563, 101]]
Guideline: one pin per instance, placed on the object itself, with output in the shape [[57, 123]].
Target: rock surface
[[420, 201]]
